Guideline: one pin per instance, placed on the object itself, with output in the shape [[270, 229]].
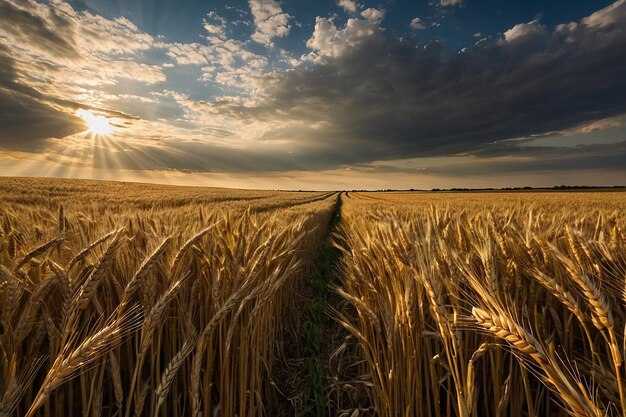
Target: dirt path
[[303, 379], [318, 328]]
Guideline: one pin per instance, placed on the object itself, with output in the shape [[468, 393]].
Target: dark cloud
[[529, 159], [48, 29], [26, 120], [379, 97]]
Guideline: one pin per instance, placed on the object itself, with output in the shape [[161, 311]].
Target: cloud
[[350, 6], [429, 100], [329, 41], [232, 64], [270, 21], [189, 53], [417, 24], [598, 125], [112, 37], [60, 48], [55, 30], [524, 31], [215, 24], [373, 15], [55, 60], [131, 70], [225, 61], [46, 29], [609, 16], [451, 2], [27, 119], [507, 160]]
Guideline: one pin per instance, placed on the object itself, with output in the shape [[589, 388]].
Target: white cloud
[[208, 73], [127, 69], [189, 53], [63, 49], [39, 29], [417, 24], [348, 5], [451, 2], [224, 61], [118, 36], [289, 59], [328, 40], [373, 15], [56, 31], [215, 24], [607, 16], [524, 30], [270, 21]]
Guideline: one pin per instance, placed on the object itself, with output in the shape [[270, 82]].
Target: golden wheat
[[117, 298], [511, 282]]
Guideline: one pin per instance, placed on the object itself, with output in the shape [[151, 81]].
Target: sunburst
[[98, 125]]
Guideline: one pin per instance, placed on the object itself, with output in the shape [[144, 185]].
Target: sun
[[98, 125]]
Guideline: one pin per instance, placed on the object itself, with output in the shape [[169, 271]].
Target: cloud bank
[[360, 97], [373, 96]]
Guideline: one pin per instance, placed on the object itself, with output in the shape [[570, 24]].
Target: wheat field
[[467, 304], [120, 299], [129, 300]]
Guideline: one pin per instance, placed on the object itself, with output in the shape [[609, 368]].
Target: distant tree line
[[556, 187]]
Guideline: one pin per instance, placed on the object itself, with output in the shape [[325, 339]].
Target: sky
[[331, 94]]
